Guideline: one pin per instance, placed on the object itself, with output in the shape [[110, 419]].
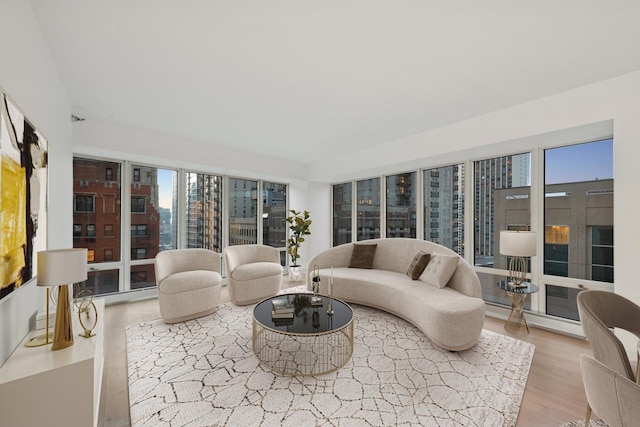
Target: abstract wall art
[[23, 196]]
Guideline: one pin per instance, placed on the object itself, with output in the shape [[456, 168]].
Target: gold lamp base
[[63, 332], [518, 271], [40, 340]]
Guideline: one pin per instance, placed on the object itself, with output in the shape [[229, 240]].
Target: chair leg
[[587, 419]]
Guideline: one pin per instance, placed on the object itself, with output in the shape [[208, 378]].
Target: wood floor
[[553, 396]]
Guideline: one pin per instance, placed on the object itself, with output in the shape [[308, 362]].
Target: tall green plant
[[299, 224]]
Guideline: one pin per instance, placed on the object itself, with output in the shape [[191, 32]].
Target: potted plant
[[299, 224]]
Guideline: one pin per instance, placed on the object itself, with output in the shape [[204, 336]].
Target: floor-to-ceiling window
[[368, 209], [443, 208], [401, 205], [203, 211], [154, 201], [342, 213], [578, 218], [126, 213], [501, 187], [97, 215], [274, 217], [243, 211]]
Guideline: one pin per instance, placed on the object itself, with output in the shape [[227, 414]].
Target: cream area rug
[[203, 373], [580, 423]]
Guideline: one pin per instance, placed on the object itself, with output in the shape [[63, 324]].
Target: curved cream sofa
[[451, 317]]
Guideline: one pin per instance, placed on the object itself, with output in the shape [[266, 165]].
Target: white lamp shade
[[62, 267], [518, 243]]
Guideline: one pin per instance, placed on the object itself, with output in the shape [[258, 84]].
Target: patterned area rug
[[580, 423], [203, 373]]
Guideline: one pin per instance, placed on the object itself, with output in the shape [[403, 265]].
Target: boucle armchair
[[599, 311], [189, 283], [613, 397], [253, 272]]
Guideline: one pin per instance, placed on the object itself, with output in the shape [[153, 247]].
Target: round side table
[[517, 295]]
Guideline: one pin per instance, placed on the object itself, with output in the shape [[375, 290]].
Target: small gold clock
[[87, 313]]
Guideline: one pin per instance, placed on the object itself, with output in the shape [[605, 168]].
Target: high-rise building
[[444, 206], [489, 175], [204, 211]]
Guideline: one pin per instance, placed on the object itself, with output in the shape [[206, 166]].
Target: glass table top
[[506, 285], [306, 319]]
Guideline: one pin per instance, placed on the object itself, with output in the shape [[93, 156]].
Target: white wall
[[98, 137], [29, 76], [616, 100]]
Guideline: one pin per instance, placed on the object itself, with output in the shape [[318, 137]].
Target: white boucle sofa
[[451, 317]]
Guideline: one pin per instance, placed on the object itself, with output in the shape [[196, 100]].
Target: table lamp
[[517, 245], [61, 267]]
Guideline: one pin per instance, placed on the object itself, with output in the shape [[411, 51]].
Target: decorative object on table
[[316, 301], [281, 308], [330, 305], [282, 305], [315, 280], [23, 203], [62, 267], [299, 224], [300, 303], [87, 312], [518, 245]]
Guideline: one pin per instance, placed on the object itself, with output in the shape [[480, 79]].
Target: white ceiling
[[307, 80]]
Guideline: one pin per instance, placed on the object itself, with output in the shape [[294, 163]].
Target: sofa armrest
[[339, 256]]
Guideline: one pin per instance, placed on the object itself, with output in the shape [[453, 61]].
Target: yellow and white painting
[[23, 197]]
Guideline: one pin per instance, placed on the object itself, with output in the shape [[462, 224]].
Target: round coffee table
[[310, 343]]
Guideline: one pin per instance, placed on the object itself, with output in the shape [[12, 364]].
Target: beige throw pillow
[[440, 269], [418, 264], [362, 256]]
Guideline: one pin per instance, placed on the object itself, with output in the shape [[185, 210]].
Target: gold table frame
[[303, 354], [517, 296]]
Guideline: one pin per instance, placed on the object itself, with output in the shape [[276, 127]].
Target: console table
[[42, 387]]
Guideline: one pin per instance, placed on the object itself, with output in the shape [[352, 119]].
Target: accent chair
[[253, 272], [611, 395], [189, 283], [600, 311]]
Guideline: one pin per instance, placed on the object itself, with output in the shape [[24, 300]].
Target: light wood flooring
[[553, 396]]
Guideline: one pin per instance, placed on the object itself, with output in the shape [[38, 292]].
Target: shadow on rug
[[203, 373]]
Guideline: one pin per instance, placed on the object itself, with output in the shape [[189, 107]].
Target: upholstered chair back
[[599, 311], [612, 396], [247, 254], [179, 260]]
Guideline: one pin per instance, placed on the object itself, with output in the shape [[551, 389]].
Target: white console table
[[61, 388]]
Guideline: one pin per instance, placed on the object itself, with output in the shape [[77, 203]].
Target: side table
[[517, 295]]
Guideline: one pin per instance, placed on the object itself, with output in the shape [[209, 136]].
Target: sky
[[581, 162], [165, 184]]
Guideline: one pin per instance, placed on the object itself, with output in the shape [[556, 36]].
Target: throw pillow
[[440, 269], [362, 256], [418, 264]]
